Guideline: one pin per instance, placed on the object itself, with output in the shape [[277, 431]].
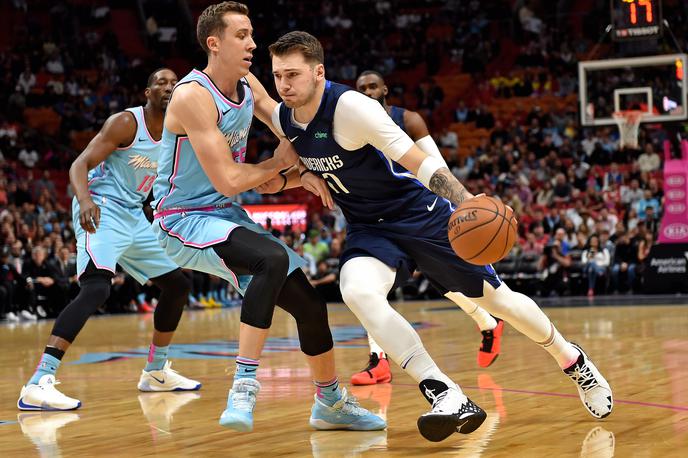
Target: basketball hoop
[[628, 122]]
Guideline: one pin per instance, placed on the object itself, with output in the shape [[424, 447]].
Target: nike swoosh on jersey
[[226, 111], [432, 207], [292, 139], [142, 139]]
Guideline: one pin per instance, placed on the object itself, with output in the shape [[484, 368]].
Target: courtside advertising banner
[[280, 215]]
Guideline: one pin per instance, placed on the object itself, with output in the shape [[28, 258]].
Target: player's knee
[[96, 289], [356, 296], [273, 262], [314, 329], [174, 283]]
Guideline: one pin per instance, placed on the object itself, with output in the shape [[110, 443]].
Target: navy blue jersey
[[367, 186], [397, 115]]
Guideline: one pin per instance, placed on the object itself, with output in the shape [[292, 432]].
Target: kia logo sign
[[676, 195], [675, 180], [676, 231], [676, 208]]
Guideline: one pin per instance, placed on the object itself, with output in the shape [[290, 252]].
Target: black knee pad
[[314, 331], [174, 293], [95, 289], [304, 303]]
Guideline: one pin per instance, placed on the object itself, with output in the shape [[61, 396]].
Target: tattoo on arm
[[444, 184]]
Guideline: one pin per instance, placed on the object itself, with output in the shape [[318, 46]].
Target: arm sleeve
[[360, 120], [276, 120], [429, 147]]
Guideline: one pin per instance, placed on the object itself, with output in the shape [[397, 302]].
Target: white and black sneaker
[[594, 391], [449, 414]]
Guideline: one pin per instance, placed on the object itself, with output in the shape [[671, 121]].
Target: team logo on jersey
[[236, 136], [138, 161], [320, 135], [323, 164]]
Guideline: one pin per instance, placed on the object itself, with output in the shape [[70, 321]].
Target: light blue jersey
[[127, 175], [181, 181], [191, 216], [119, 185]]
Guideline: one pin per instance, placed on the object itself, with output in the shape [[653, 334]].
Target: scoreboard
[[636, 19]]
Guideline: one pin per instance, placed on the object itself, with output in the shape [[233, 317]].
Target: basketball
[[482, 230]]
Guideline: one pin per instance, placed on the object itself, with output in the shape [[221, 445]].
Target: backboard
[[653, 84]]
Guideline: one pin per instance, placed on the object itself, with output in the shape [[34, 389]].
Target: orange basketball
[[482, 230]]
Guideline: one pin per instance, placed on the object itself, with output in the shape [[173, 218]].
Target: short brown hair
[[298, 41], [210, 21]]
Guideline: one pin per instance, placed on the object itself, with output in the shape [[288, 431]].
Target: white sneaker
[[40, 311], [593, 389], [28, 316], [44, 396], [11, 317], [451, 412], [166, 379]]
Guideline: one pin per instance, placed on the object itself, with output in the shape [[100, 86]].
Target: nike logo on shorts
[[293, 139], [432, 207]]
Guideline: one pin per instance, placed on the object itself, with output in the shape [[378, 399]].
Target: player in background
[[201, 168], [395, 222], [372, 84], [112, 178]]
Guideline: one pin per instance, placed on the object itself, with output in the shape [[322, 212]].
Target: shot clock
[[636, 19]]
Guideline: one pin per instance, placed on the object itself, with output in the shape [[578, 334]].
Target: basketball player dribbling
[[372, 84], [112, 178], [201, 169], [397, 222]]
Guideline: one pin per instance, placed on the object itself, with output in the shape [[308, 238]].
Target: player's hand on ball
[[285, 154], [318, 186], [89, 215]]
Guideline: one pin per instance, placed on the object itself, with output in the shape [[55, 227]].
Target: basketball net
[[628, 122]]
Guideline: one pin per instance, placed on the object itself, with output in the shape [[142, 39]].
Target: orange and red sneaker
[[490, 346], [377, 371]]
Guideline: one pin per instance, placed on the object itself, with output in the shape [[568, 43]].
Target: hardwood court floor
[[533, 410]]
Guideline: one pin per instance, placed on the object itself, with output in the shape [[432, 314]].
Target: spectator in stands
[[8, 282], [28, 156], [631, 193], [561, 192], [64, 267], [645, 241], [26, 81], [326, 282], [315, 248], [556, 261], [649, 161], [596, 261], [647, 201], [624, 264], [450, 141], [651, 220], [462, 112], [45, 297]]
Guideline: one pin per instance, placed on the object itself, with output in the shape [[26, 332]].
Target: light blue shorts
[[124, 236], [188, 237]]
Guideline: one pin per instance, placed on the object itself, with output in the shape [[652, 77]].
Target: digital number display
[[636, 19]]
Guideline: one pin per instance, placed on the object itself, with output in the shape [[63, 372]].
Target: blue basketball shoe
[[240, 404], [344, 414]]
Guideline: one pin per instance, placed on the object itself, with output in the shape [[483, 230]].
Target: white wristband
[[429, 147], [427, 169]]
